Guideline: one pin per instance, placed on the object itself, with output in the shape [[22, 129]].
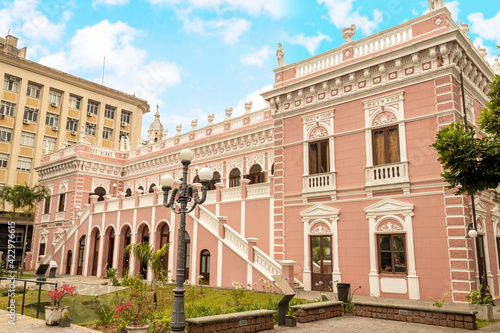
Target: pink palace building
[[334, 181]]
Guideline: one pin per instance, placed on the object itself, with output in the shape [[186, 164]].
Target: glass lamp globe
[[472, 233], [206, 174], [167, 180], [186, 155]]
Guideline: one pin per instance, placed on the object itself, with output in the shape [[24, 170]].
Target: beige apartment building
[[43, 109]]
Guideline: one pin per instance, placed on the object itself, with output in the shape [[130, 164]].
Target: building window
[[4, 158], [109, 112], [90, 129], [256, 175], [72, 124], [392, 253], [42, 249], [319, 157], [33, 90], [62, 202], [10, 83], [5, 134], [215, 180], [92, 107], [7, 108], [24, 163], [52, 119], [107, 133], [55, 98], [27, 139], [234, 177], [74, 102], [49, 143], [126, 116], [30, 114], [46, 206], [123, 134], [385, 145]]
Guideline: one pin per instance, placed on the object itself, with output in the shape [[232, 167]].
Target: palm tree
[[146, 253], [22, 197]]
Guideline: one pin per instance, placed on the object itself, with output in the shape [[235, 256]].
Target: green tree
[[23, 197], [146, 253]]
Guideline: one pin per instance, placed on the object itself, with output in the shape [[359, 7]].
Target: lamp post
[[184, 194]]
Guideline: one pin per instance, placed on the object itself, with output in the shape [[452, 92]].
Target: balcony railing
[[386, 174], [318, 182], [60, 216]]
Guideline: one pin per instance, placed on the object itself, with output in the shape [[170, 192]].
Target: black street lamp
[[185, 193]]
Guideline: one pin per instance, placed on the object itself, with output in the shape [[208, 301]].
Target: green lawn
[[85, 310]]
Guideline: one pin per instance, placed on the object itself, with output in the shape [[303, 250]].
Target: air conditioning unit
[[89, 114], [55, 128], [2, 116], [73, 132], [124, 123], [26, 122], [54, 104], [12, 78]]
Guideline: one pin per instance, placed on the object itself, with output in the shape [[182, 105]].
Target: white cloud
[[34, 23], [491, 51], [310, 43], [110, 2], [127, 68], [341, 15], [485, 28], [258, 103], [256, 58], [452, 7]]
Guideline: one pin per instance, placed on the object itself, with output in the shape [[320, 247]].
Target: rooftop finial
[[348, 33], [435, 4]]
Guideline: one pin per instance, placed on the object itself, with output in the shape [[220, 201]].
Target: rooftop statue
[[435, 4], [281, 55]]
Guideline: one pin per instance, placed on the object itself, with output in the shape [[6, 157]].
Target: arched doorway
[[205, 266], [68, 262], [95, 259], [164, 239], [81, 255], [126, 241], [215, 180], [101, 192], [321, 261], [187, 251], [111, 248], [256, 175], [141, 188], [234, 177], [152, 188], [143, 266], [128, 192]]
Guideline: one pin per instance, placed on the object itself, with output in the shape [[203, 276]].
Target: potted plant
[[135, 315], [54, 313], [64, 321], [290, 319], [483, 305]]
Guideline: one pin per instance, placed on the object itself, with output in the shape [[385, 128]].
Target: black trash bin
[[343, 291]]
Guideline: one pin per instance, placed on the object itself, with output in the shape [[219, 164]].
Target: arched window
[[234, 177], [165, 238], [111, 247], [81, 256], [101, 192], [144, 239], [141, 188], [152, 188], [196, 179], [256, 175], [215, 180], [126, 258], [205, 266], [128, 192]]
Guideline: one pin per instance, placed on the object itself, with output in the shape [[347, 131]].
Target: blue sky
[[197, 57]]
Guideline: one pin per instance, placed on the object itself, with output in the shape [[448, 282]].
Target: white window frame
[[24, 163], [75, 102], [33, 90], [109, 112], [90, 129], [125, 116], [28, 139], [55, 97], [93, 107], [107, 133], [10, 85], [5, 134], [50, 141], [4, 160], [7, 108], [30, 114], [52, 119], [72, 124]]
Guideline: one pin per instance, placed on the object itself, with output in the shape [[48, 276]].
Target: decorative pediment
[[320, 228], [480, 207], [43, 236], [319, 212], [495, 213], [389, 206]]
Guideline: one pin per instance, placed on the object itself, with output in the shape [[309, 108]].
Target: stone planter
[[484, 311], [290, 321], [54, 313], [138, 328], [64, 322]]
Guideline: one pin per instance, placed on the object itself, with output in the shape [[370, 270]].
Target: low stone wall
[[416, 314], [317, 311], [240, 322]]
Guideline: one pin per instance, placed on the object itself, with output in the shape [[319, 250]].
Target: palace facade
[[335, 181]]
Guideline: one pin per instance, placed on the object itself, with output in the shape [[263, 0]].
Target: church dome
[[156, 125]]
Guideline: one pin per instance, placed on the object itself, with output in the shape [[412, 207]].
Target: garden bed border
[[317, 311], [247, 321]]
